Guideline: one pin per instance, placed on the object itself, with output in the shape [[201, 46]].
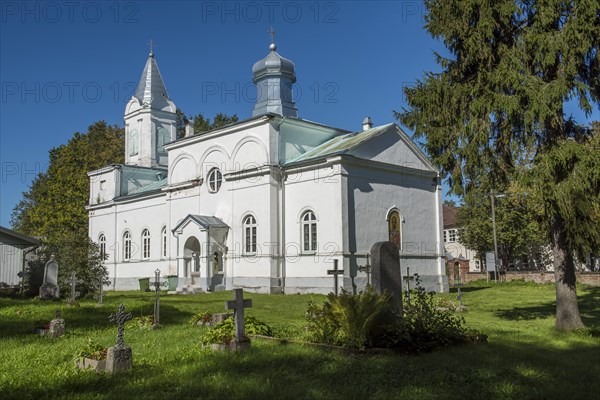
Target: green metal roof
[[149, 187], [340, 144]]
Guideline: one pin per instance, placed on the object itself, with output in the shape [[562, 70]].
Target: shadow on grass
[[273, 371], [87, 315], [466, 289], [589, 308]]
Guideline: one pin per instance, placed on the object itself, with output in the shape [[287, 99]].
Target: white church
[[265, 204]]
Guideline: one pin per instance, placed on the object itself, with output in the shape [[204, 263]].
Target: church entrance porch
[[200, 249]]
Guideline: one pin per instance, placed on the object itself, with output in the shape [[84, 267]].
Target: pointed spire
[[151, 87]]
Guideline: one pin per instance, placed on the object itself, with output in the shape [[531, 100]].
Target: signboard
[[490, 261]]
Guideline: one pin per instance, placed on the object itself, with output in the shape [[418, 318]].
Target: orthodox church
[[265, 204]]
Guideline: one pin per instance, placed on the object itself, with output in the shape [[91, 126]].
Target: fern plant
[[355, 321]]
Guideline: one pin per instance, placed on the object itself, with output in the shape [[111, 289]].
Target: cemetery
[[108, 351]]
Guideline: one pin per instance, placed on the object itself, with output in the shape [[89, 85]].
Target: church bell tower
[[150, 120]]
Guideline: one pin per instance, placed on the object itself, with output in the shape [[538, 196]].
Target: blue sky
[[65, 65]]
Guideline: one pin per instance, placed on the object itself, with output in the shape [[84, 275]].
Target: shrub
[[356, 321], [373, 320], [425, 325], [200, 317], [141, 322], [92, 350], [225, 331]]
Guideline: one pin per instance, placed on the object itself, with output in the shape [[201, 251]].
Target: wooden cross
[[120, 318], [272, 33], [238, 304], [335, 272], [367, 269]]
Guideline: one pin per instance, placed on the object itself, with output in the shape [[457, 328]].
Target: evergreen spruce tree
[[500, 95]]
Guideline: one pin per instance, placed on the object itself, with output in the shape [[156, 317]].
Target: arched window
[[133, 142], [126, 246], [102, 245], [249, 235], [145, 244], [162, 138], [214, 180], [309, 231], [163, 249]]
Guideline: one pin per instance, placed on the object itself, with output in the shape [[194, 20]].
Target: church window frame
[[214, 180], [133, 143], [309, 232], [163, 242], [249, 234], [127, 246], [162, 138], [102, 246], [146, 244], [452, 236]]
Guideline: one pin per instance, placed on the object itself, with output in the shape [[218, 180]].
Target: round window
[[214, 180]]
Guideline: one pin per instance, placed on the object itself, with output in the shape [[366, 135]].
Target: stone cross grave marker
[[366, 269], [74, 283], [119, 357], [238, 304], [49, 288], [335, 272], [386, 270], [120, 318]]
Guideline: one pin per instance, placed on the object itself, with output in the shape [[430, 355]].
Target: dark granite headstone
[[385, 269]]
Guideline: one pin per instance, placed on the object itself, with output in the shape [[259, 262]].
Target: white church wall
[[371, 195], [104, 185], [393, 147], [183, 169], [319, 191], [251, 196], [133, 216]]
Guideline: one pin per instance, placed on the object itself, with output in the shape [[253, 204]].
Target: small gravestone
[[238, 304], [385, 270], [57, 326], [119, 357], [49, 289]]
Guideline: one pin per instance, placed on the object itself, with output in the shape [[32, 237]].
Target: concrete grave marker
[[385, 270], [119, 357], [49, 289], [57, 326], [238, 304], [73, 283]]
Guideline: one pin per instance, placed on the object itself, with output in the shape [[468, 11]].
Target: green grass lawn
[[524, 359]]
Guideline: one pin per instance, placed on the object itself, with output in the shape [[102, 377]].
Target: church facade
[[266, 204]]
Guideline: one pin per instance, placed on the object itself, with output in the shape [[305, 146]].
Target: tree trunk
[[567, 309]]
